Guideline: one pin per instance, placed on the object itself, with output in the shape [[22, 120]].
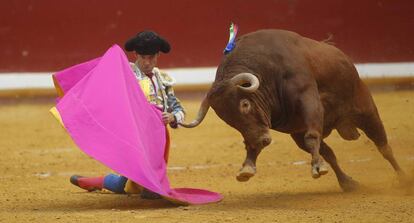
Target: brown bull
[[276, 79]]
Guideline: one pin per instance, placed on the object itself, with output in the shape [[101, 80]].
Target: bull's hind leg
[[371, 124], [346, 182]]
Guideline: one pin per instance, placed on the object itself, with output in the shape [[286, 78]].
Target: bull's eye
[[244, 106]]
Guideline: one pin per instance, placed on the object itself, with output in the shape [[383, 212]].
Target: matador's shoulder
[[166, 78], [132, 65]]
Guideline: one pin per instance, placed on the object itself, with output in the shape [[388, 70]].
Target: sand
[[38, 157]]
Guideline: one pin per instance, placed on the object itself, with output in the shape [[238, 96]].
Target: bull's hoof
[[349, 185], [323, 169], [319, 169], [404, 180], [246, 173], [315, 174]]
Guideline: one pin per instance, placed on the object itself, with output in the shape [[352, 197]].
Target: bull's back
[[331, 68], [333, 71], [323, 61]]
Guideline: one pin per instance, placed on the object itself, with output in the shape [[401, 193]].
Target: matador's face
[[146, 62]]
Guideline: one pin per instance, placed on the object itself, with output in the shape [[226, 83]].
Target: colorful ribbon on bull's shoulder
[[232, 37]]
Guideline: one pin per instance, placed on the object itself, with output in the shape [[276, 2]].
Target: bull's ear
[[244, 106]]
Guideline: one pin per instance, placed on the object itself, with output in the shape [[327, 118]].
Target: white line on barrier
[[198, 75]]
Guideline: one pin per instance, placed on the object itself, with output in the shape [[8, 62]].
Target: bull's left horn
[[205, 105], [246, 78]]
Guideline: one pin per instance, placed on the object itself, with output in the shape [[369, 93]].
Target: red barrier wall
[[48, 35]]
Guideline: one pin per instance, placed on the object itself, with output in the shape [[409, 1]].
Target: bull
[[280, 80]]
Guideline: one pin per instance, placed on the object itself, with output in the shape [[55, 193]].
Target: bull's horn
[[200, 116], [246, 78]]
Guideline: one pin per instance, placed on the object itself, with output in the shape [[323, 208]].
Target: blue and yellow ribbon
[[231, 44]]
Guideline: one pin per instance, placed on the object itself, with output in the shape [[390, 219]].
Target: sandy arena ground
[[38, 157]]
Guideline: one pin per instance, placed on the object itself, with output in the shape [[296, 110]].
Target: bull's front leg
[[312, 113], [248, 169], [312, 141]]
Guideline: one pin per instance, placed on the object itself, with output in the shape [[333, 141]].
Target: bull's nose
[[266, 141]]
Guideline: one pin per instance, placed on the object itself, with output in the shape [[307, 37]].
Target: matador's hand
[[167, 118]]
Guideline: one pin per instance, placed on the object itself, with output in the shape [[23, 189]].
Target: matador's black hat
[[147, 43]]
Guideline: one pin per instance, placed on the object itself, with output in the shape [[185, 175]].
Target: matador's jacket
[[158, 90]]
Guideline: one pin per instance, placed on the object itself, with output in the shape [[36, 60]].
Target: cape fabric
[[104, 110]]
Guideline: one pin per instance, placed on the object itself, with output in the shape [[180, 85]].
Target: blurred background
[[38, 38]]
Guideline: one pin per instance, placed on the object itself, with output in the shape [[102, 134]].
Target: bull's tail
[[205, 105], [329, 40]]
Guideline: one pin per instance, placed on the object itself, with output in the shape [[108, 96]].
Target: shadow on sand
[[101, 201]]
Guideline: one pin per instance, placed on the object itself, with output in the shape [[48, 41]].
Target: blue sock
[[115, 183]]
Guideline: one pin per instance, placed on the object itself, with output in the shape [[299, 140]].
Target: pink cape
[[107, 115]]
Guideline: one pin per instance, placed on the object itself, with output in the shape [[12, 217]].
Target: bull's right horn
[[205, 105], [246, 78]]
